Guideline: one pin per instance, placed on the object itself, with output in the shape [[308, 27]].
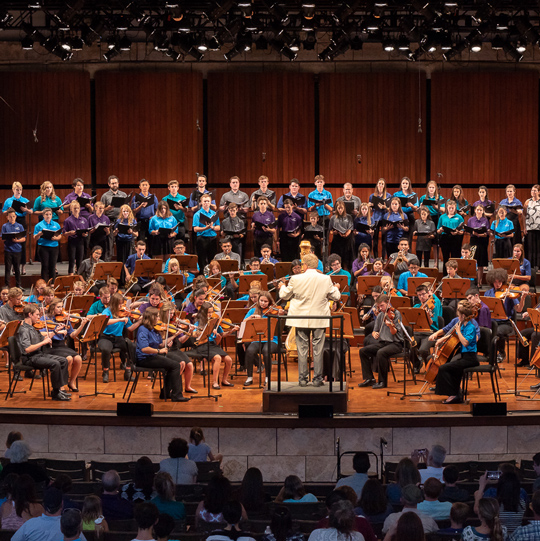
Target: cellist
[[466, 328]]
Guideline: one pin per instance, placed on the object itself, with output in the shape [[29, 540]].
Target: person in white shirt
[[341, 523], [434, 462], [358, 480]]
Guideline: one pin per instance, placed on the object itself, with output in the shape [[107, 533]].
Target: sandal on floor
[[453, 400], [216, 386], [227, 384]]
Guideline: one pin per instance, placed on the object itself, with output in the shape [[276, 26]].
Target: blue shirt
[[146, 212], [453, 222], [470, 331], [116, 329], [49, 203], [413, 200], [125, 236], [130, 265], [525, 267], [360, 236], [53, 226], [147, 339], [320, 196], [190, 276], [502, 227], [197, 223], [193, 202], [343, 272], [377, 213], [178, 214], [437, 311], [9, 202], [289, 195], [156, 222], [10, 245], [394, 234], [403, 279], [509, 303]]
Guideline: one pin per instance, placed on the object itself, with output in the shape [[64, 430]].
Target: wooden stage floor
[[248, 402]]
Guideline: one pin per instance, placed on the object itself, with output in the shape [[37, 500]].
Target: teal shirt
[[175, 509], [437, 311]]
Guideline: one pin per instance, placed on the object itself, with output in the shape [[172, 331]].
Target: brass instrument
[[290, 344], [473, 251], [305, 248]]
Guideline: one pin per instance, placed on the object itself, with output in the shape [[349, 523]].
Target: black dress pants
[[450, 374], [173, 382], [377, 357], [57, 366]]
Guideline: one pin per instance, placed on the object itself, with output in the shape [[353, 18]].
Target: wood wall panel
[[254, 114], [485, 127], [146, 126], [60, 103], [375, 116]]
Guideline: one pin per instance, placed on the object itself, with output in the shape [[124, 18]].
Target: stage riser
[[289, 399]]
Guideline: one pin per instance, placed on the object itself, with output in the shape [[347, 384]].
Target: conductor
[[309, 293]]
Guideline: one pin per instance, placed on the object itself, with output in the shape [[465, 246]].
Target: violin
[[19, 309], [49, 325], [507, 293], [133, 314], [389, 317]]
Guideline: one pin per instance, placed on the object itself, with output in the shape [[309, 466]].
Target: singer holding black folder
[[124, 231], [163, 227], [144, 206], [206, 226], [76, 229], [263, 222], [451, 232], [478, 227], [380, 204], [13, 234], [47, 233]]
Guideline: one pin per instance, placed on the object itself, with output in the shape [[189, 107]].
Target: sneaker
[[248, 381], [106, 376], [302, 383], [501, 356]]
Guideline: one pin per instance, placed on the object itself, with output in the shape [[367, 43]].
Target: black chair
[[76, 469], [486, 345], [448, 314], [124, 469], [138, 370], [207, 470], [17, 367]]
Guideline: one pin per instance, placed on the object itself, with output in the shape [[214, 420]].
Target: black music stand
[[535, 320], [92, 334], [253, 330], [455, 288], [188, 263], [103, 271], [348, 334], [466, 268], [205, 339]]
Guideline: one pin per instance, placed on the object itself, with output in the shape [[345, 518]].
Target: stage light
[[279, 13], [27, 43], [35, 4], [184, 25], [497, 43], [403, 43], [295, 45], [246, 8], [458, 49], [172, 54], [161, 43], [526, 30], [124, 44], [502, 22], [287, 52], [308, 25], [372, 25], [388, 45], [521, 46], [244, 41], [309, 9], [5, 17], [325, 54], [510, 50], [229, 55], [201, 44], [476, 46]]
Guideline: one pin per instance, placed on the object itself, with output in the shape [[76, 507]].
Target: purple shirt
[[72, 224], [85, 213], [287, 224], [476, 223], [482, 203], [265, 219], [357, 265], [484, 316], [94, 220]]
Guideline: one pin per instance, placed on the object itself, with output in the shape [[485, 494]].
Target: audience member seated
[[21, 504], [281, 527], [458, 516], [451, 492], [361, 524], [182, 470], [198, 449], [252, 495], [340, 525], [357, 481], [373, 503], [146, 516], [92, 515], [406, 474], [232, 515], [511, 506], [47, 526], [293, 491], [64, 483], [536, 466], [409, 527], [506, 467], [411, 496], [434, 462], [163, 527], [142, 486], [532, 530], [19, 454], [71, 524], [490, 527], [11, 437], [431, 505], [165, 500], [114, 507]]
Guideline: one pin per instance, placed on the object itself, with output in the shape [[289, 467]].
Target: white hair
[[19, 452]]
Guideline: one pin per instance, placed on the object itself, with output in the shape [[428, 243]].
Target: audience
[[409, 528], [340, 525], [146, 516], [165, 500], [92, 515], [252, 495], [431, 505], [451, 492], [406, 474], [536, 467], [434, 462], [114, 507], [532, 530], [13, 436], [182, 470], [490, 527], [357, 481], [458, 516], [163, 527], [232, 515], [19, 454], [142, 486], [410, 498], [21, 504], [281, 527], [373, 503], [71, 524], [64, 483], [198, 449], [293, 491]]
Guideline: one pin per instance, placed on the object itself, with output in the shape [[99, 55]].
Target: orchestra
[[501, 237]]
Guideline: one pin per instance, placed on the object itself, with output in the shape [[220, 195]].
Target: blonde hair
[[131, 218], [73, 205], [173, 261], [366, 205], [91, 509], [98, 204], [16, 184], [43, 187]]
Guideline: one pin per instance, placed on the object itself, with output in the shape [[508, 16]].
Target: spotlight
[[172, 54], [201, 44], [372, 25], [287, 52], [458, 49], [5, 17], [502, 22], [521, 46], [388, 45], [476, 46], [244, 41], [246, 8], [295, 46], [124, 44], [177, 13], [235, 51], [279, 13], [27, 43], [309, 9], [110, 54], [214, 44], [510, 50], [308, 25], [325, 54], [310, 41], [403, 43], [35, 4]]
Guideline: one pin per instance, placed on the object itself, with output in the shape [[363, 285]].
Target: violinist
[[252, 295], [113, 336], [217, 354], [255, 349], [378, 268], [152, 354], [388, 288], [177, 341], [12, 309], [4, 295], [112, 284], [433, 307], [98, 307], [524, 275], [39, 287], [413, 272], [227, 283], [368, 311], [387, 340], [498, 278], [129, 267], [32, 344], [79, 288], [154, 299], [62, 340], [451, 373], [48, 296], [198, 298]]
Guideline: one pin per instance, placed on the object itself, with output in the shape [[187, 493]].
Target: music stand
[[174, 281], [431, 272], [268, 269], [188, 263], [214, 283], [535, 318], [496, 307], [103, 271], [455, 288], [147, 268], [283, 269], [466, 267], [365, 284], [236, 315], [414, 282], [400, 302], [205, 338], [228, 265], [79, 303], [256, 330], [64, 284], [342, 280], [509, 265], [92, 334], [246, 279]]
